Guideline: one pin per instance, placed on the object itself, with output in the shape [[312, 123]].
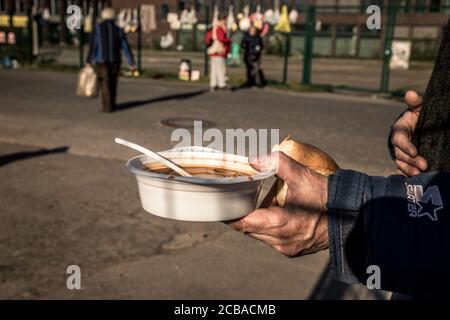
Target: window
[[435, 5], [367, 33], [420, 6], [344, 30], [406, 6]]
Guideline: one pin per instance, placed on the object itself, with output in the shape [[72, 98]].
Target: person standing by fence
[[218, 48], [107, 41], [253, 44]]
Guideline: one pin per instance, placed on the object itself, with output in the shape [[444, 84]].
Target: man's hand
[[300, 226], [408, 161]]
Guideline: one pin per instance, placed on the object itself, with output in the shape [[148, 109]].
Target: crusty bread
[[307, 155]]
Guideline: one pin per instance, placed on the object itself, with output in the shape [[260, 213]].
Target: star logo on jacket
[[424, 204], [429, 202]]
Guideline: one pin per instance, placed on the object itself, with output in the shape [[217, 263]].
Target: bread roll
[[307, 155]]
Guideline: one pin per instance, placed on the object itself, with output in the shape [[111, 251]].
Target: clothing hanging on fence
[[268, 15], [272, 16], [258, 21], [167, 40], [46, 14], [184, 16], [293, 16], [231, 23], [89, 21], [127, 19], [257, 18], [283, 24], [121, 18], [244, 23], [192, 16], [148, 18], [188, 17], [173, 21], [215, 17], [134, 25]]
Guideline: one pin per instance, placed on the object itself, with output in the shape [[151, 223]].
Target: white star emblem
[[429, 202]]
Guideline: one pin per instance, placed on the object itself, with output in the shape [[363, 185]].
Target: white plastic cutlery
[[154, 156]]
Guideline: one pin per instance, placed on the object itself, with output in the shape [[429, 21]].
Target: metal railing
[[392, 12]]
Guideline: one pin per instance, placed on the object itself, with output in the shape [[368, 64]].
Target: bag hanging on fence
[[87, 85], [216, 46], [89, 21], [230, 19]]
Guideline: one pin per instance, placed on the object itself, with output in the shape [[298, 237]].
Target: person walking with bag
[[218, 48], [107, 41]]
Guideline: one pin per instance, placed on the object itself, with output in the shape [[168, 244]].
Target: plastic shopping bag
[[87, 85]]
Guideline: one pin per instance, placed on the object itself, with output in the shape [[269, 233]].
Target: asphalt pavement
[[67, 199]]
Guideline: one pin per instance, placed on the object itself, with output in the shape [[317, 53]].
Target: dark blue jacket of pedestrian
[[107, 41], [253, 46]]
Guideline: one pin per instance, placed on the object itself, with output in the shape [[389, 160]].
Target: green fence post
[[139, 41], [81, 46], [194, 30], [206, 58], [178, 31], [287, 42], [29, 35], [308, 47], [387, 50]]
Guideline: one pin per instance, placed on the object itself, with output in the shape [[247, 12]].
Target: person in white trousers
[[218, 73], [218, 47]]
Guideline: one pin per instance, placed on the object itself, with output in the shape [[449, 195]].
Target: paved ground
[[342, 72], [66, 198]]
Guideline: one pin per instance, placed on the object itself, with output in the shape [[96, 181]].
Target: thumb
[[261, 163], [413, 100], [286, 168]]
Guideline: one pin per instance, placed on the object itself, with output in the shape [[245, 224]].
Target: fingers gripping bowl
[[223, 186]]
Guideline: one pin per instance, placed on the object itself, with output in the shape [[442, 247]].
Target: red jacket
[[222, 37]]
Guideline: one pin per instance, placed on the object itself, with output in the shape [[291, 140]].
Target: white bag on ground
[[87, 85]]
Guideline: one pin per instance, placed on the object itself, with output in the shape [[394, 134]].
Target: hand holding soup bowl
[[225, 187]]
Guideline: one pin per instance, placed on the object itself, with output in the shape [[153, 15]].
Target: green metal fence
[[310, 38], [392, 12]]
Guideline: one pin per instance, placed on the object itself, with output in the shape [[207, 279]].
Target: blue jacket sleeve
[[400, 224], [125, 46]]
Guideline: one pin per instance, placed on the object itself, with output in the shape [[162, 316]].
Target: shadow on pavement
[[327, 288], [6, 159], [178, 96]]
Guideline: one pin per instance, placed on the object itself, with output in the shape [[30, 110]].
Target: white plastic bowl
[[198, 198]]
